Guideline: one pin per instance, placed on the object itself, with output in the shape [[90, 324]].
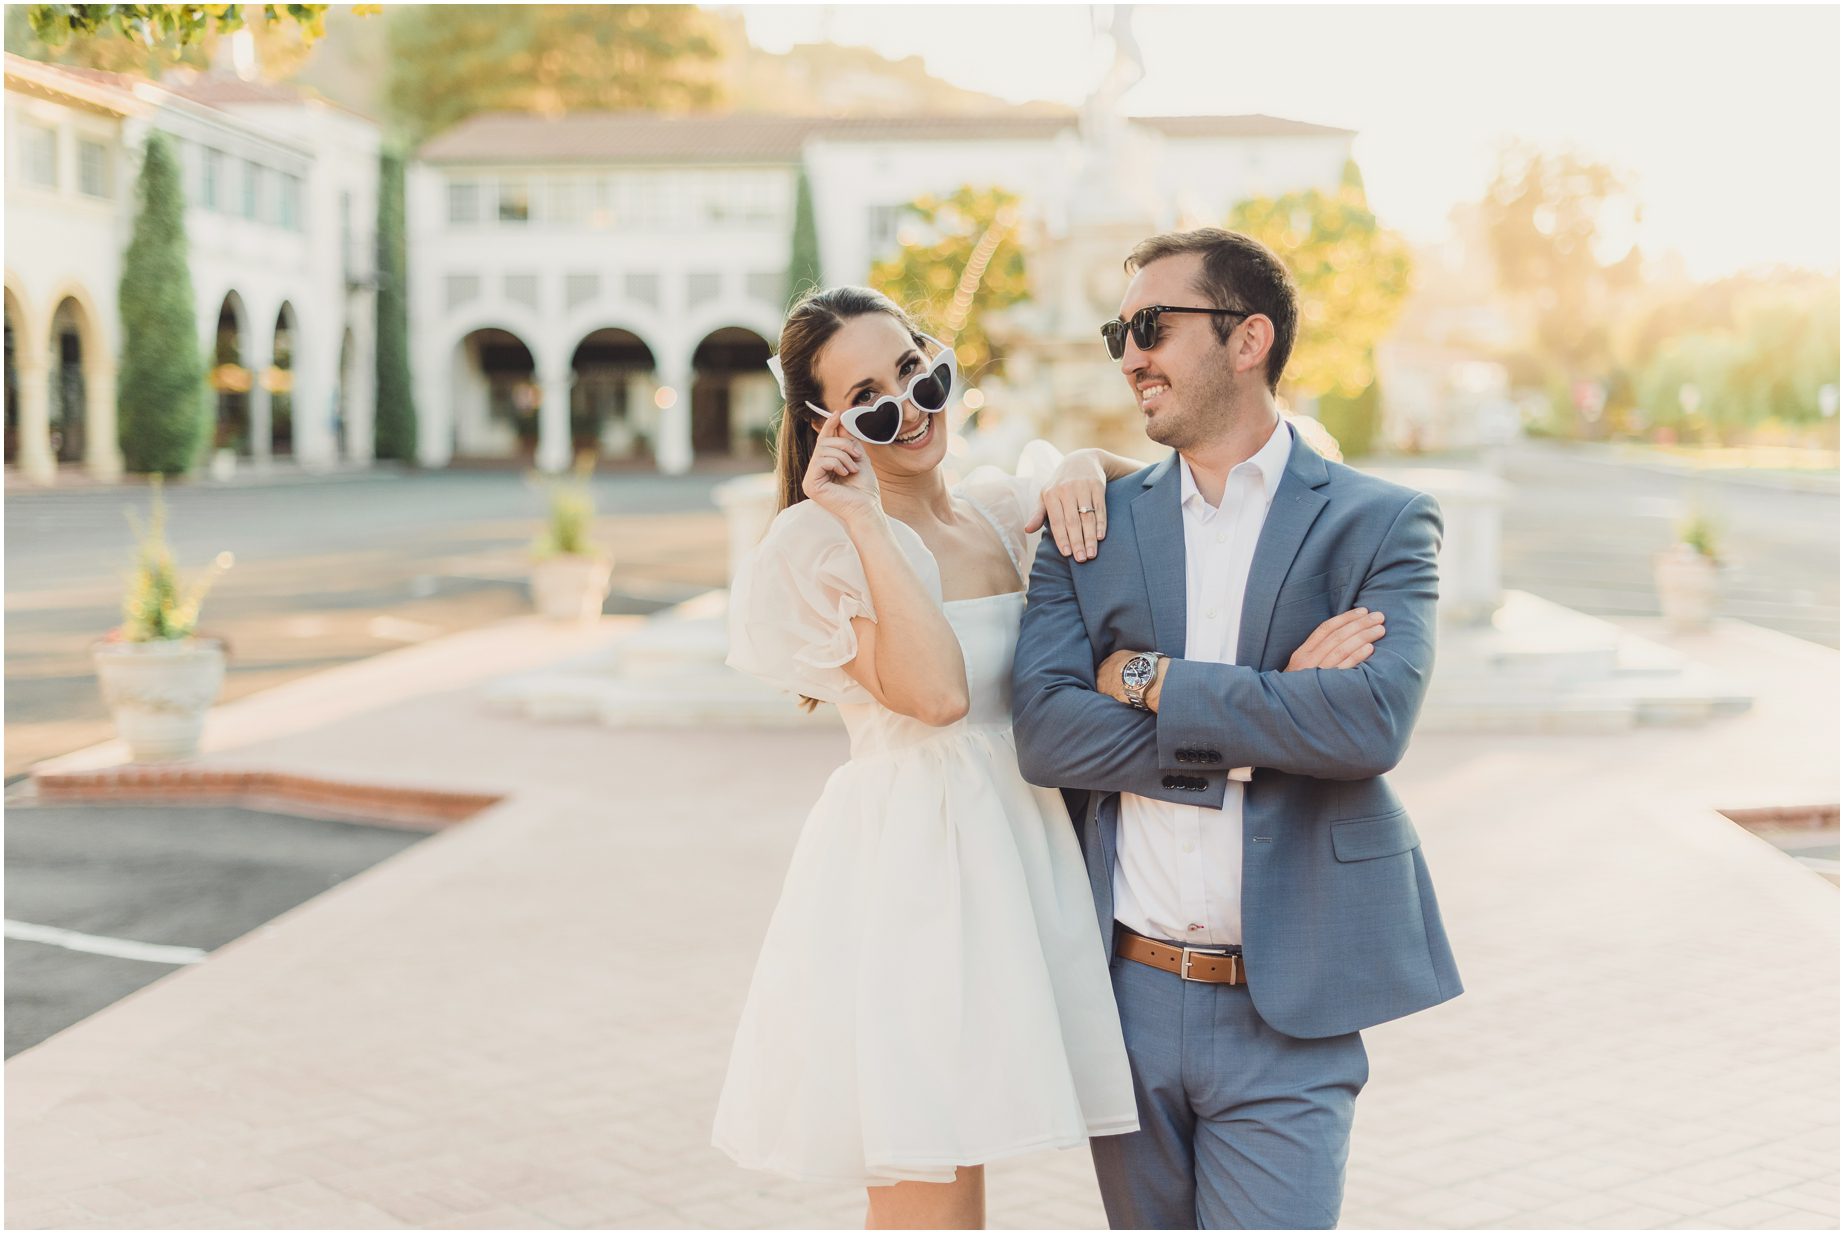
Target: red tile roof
[[639, 137]]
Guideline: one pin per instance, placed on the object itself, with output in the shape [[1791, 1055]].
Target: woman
[[932, 993]]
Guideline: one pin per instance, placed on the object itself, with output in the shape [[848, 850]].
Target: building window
[[639, 201], [643, 288], [93, 168], [41, 145], [521, 289], [569, 202], [703, 286], [251, 190], [768, 286], [214, 178], [459, 289], [580, 289], [884, 232], [464, 202], [514, 201], [291, 203]]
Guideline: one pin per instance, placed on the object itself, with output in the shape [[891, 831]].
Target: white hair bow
[[781, 380]]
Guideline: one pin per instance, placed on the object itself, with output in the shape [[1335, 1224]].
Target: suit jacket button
[[1169, 782]]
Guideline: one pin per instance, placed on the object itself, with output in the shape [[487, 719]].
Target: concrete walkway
[[522, 1022]]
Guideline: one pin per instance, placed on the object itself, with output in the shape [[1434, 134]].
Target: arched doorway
[[69, 397], [496, 396], [733, 395], [231, 379], [279, 381], [611, 399], [12, 383], [343, 428]]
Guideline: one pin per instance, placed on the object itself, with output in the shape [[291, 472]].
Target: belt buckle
[[1184, 967]]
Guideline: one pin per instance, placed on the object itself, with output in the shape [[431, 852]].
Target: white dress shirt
[[1179, 873]]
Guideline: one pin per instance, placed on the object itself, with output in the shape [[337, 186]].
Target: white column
[[102, 448], [554, 421], [262, 414], [35, 458], [672, 441]]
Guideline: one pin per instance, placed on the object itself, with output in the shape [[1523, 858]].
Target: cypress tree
[[162, 404], [395, 425], [804, 252]]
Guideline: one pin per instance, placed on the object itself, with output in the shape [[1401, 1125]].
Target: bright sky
[[1727, 117]]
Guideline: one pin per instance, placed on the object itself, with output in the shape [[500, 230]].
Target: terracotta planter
[[1688, 583], [570, 587], [159, 692]]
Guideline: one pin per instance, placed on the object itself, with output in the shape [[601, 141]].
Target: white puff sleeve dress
[[932, 990]]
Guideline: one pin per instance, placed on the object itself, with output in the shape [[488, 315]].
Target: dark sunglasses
[[1145, 326]]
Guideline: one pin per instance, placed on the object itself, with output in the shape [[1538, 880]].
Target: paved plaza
[[522, 1021]]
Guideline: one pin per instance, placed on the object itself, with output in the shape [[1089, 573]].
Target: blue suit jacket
[[1340, 927]]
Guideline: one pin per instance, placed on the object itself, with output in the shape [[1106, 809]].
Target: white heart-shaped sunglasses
[[878, 422]]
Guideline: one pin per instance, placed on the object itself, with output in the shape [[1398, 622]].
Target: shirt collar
[[1270, 462]]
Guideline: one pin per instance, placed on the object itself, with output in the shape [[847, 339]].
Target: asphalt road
[[178, 877], [1583, 533], [327, 571]]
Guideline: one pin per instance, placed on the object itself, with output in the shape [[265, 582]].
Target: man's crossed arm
[[1332, 723]]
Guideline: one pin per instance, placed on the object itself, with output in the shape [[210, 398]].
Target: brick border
[[1815, 817], [259, 790]]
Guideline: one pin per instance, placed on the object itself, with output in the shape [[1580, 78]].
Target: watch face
[[1137, 671]]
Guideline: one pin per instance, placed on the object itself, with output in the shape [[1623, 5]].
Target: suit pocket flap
[[1315, 586], [1361, 839]]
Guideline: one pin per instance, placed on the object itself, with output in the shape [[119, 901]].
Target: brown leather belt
[[1191, 963]]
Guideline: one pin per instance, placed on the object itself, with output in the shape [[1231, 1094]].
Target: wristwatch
[[1138, 673]]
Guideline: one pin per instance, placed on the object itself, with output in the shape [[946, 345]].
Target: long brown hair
[[811, 323]]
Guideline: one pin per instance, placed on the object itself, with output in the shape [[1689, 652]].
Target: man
[[1219, 692]]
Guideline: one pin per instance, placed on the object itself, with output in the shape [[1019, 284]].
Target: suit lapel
[[1159, 525], [1296, 504]]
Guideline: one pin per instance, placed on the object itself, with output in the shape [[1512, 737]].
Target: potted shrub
[[570, 576], [158, 675], [1688, 574]]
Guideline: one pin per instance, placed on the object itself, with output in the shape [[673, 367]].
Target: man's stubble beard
[[1206, 414]]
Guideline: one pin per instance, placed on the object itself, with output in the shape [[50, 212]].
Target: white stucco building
[[281, 195], [615, 282], [600, 282]]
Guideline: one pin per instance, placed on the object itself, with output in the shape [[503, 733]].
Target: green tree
[[161, 399], [449, 62], [1762, 367], [395, 416], [168, 26], [284, 46], [1547, 218], [1353, 276], [804, 251], [968, 262]]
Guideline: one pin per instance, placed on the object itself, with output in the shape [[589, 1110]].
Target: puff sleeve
[[1010, 500], [792, 604]]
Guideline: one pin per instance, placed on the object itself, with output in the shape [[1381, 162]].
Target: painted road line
[[97, 944]]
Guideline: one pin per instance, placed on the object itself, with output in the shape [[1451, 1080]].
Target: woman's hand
[[1075, 505], [1344, 641], [838, 478]]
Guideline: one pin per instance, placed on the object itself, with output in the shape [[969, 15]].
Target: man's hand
[[1344, 641]]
